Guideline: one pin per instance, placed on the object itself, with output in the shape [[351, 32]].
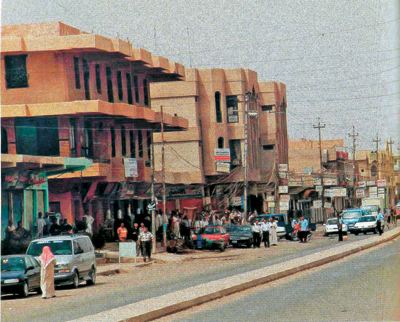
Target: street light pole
[[163, 180], [246, 138]]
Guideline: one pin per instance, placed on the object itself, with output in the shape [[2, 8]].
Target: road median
[[160, 306]]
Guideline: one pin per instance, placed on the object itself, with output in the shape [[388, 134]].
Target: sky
[[340, 60]]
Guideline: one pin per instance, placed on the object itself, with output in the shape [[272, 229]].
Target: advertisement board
[[283, 189], [131, 167], [223, 167], [381, 183], [223, 155]]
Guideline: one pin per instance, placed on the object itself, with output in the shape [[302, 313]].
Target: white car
[[366, 224], [331, 227]]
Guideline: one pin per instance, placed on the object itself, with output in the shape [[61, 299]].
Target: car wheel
[[92, 277], [39, 290], [24, 290], [365, 232], [222, 248], [356, 233], [75, 282], [345, 233]]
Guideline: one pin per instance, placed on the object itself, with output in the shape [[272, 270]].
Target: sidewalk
[[160, 306]]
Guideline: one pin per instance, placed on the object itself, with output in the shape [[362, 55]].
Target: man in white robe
[[47, 262]]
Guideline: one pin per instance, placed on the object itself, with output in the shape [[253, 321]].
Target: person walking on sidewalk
[[304, 230], [146, 239], [380, 222], [256, 235], [273, 237], [340, 227], [135, 236], [265, 232], [122, 233]]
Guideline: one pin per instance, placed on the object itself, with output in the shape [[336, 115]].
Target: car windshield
[[242, 228], [367, 218], [58, 247], [332, 222], [370, 208], [211, 231], [12, 264], [351, 215]]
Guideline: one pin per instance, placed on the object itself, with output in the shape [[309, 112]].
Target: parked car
[[331, 227], [351, 216], [280, 218], [212, 237], [74, 255], [20, 274], [241, 236], [366, 224]]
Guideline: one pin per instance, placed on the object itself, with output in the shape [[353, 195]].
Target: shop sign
[[271, 204], [283, 174], [317, 182], [283, 206], [283, 167], [284, 198], [223, 155], [330, 181], [381, 190], [295, 182], [317, 203], [370, 183], [283, 189], [131, 167], [360, 193], [318, 189], [270, 198], [361, 184], [236, 201], [22, 179], [327, 205], [223, 167], [328, 193], [381, 183], [373, 190], [339, 192], [373, 195]]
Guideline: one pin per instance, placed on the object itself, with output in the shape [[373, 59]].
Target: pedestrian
[[135, 236], [146, 239], [47, 262], [340, 227], [380, 222], [65, 227], [89, 223], [55, 229], [40, 223], [256, 235], [265, 232], [273, 237], [122, 233], [304, 230]]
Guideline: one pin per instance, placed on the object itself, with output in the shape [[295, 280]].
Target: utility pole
[[354, 135], [153, 198], [163, 180], [319, 127], [377, 141], [246, 139]]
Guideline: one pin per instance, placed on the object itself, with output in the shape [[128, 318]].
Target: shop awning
[[296, 190]]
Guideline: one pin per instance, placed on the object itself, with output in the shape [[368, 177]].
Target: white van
[[75, 258]]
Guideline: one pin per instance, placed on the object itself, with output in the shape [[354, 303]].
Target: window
[[140, 144], [77, 75], [112, 141], [119, 83], [37, 136], [109, 85], [268, 147], [236, 154], [73, 138], [86, 78], [16, 73], [218, 107], [220, 143], [123, 140], [136, 85], [373, 171], [87, 147], [98, 78], [265, 108], [145, 92], [132, 139], [149, 145], [129, 88], [4, 140], [232, 108]]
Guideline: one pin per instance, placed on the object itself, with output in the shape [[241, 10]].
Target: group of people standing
[[266, 231]]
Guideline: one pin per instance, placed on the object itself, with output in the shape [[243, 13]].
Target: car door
[[31, 273], [225, 235], [36, 270]]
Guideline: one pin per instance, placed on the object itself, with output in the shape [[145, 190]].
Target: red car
[[214, 233]]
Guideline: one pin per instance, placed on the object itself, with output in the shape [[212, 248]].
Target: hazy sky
[[339, 59]]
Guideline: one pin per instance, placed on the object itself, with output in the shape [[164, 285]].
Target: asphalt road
[[155, 280], [362, 287]]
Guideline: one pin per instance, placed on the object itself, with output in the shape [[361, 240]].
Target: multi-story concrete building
[[74, 96], [214, 102]]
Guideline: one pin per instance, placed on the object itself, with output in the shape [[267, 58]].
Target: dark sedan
[[20, 274], [241, 236]]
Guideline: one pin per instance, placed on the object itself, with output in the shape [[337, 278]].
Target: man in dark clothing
[[135, 236], [65, 227], [55, 229]]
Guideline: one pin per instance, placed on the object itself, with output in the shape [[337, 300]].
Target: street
[[362, 287], [157, 279]]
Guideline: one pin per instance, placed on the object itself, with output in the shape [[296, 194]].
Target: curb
[[167, 304]]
